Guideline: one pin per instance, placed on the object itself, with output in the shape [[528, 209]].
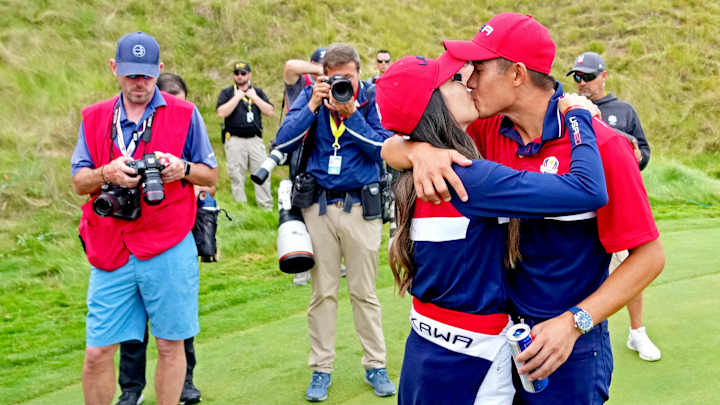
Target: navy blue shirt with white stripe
[[459, 247]]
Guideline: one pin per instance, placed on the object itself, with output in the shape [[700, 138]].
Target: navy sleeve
[[366, 131], [197, 147], [496, 190], [297, 121], [81, 156]]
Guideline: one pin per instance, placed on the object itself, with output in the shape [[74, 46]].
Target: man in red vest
[[141, 250]]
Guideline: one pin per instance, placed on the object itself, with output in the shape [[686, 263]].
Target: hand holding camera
[[174, 167], [321, 92], [120, 201], [119, 173]]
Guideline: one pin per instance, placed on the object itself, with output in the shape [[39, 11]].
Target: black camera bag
[[204, 233]]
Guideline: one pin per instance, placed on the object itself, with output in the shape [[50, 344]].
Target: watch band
[[582, 319], [187, 168]]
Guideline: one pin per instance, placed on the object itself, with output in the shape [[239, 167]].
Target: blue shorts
[[584, 379], [163, 288]]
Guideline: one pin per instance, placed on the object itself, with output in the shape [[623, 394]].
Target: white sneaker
[[639, 341], [301, 278]]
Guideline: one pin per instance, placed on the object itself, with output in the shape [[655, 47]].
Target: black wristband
[[187, 168]]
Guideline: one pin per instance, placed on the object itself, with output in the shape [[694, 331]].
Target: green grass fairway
[[266, 363]]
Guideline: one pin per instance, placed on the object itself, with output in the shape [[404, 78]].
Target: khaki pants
[[244, 153], [335, 235]]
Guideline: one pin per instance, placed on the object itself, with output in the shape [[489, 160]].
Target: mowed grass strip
[[265, 363]]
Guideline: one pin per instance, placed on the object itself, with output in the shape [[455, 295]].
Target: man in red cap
[[561, 286]]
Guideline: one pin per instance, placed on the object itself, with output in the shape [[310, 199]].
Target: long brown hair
[[438, 128]]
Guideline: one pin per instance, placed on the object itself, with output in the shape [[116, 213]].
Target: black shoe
[[130, 398], [190, 394]]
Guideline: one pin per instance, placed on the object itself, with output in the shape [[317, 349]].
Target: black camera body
[[117, 201], [124, 203], [149, 168], [341, 88]]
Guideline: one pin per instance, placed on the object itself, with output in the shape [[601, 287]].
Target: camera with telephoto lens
[[274, 158], [341, 88], [294, 246], [124, 203]]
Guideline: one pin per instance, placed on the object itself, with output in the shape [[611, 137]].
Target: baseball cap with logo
[[404, 90], [589, 62], [138, 53], [242, 66], [515, 37], [318, 55]]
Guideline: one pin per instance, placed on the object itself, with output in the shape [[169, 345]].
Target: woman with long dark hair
[[453, 257]]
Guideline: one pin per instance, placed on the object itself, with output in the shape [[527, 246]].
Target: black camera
[[341, 88], [117, 201], [124, 203], [274, 158], [149, 168]]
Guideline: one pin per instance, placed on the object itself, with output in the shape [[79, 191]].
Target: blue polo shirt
[[197, 144], [566, 258], [360, 144], [459, 247]]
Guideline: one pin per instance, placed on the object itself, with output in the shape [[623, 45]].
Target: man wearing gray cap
[[590, 73], [141, 249]]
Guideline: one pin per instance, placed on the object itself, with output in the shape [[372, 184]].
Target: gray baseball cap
[[589, 62]]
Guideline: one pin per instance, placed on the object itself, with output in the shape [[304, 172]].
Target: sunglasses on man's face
[[588, 77], [240, 72], [383, 61], [146, 77]]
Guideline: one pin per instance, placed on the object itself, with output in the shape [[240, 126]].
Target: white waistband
[[456, 339], [576, 217]]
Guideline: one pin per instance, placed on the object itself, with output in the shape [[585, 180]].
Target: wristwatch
[[583, 319], [187, 168]]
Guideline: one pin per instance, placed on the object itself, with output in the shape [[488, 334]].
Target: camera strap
[[145, 131]]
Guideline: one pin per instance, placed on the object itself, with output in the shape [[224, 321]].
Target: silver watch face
[[583, 321]]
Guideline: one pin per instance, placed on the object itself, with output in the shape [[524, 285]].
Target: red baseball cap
[[516, 37], [404, 90]]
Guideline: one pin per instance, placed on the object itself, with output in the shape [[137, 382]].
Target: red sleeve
[[626, 221]]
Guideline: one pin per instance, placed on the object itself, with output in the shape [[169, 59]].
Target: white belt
[[456, 339]]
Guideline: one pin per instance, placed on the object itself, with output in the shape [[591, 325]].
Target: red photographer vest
[[109, 241]]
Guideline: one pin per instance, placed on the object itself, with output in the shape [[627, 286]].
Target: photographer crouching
[[137, 236], [338, 191]]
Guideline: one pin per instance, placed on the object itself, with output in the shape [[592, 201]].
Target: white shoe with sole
[[639, 341], [301, 278]]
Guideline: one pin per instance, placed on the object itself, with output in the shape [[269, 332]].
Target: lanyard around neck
[[246, 99], [337, 130], [145, 131]]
